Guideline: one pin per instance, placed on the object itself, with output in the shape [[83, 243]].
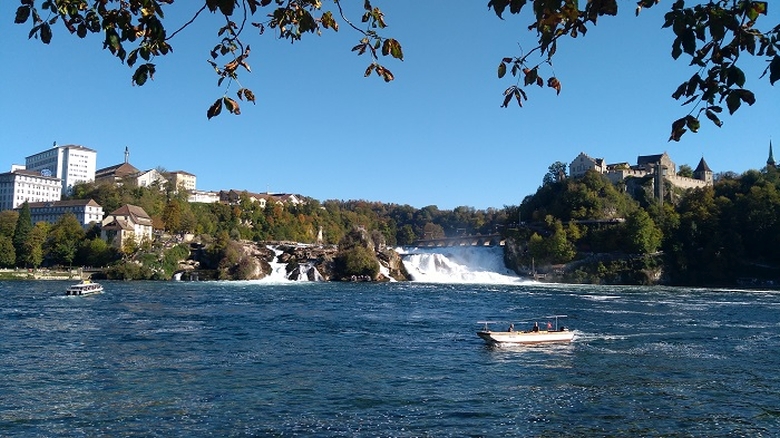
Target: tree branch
[[187, 23]]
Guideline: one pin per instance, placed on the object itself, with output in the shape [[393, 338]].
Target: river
[[384, 360]]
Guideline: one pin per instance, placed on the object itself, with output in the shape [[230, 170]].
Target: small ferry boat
[[86, 287], [533, 336]]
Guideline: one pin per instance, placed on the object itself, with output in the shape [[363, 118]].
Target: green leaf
[[712, 116], [132, 57], [386, 48], [689, 42], [232, 106], [680, 90], [747, 96], [22, 14], [141, 75], [755, 9], [530, 76], [677, 48], [395, 49], [678, 129], [692, 123], [516, 6], [508, 93], [774, 70], [717, 28], [498, 6], [733, 102], [45, 33], [214, 109], [736, 76], [501, 70]]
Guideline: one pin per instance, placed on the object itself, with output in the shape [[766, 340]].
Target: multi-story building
[[583, 163], [203, 197], [127, 222], [20, 186], [87, 211], [72, 164], [181, 180], [150, 177]]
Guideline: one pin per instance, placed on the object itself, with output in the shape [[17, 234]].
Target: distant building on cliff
[[72, 164], [127, 222], [234, 197], [87, 211], [202, 196], [770, 162], [182, 180], [117, 173], [127, 173], [20, 186], [659, 167]]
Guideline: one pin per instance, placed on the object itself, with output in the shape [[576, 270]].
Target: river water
[[384, 360]]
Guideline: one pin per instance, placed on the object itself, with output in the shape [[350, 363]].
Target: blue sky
[[435, 136]]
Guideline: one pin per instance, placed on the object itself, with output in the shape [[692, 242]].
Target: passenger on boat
[[536, 327], [511, 327]]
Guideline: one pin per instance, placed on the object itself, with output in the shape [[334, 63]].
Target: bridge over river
[[476, 240]]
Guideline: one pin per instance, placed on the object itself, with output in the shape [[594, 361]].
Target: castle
[[659, 167]]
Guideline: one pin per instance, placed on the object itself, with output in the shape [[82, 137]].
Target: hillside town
[[47, 177]]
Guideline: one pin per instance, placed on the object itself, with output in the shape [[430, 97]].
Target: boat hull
[[84, 289], [539, 337]]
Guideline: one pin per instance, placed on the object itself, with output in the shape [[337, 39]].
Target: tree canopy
[[712, 35]]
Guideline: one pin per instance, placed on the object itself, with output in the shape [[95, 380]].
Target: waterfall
[[304, 271], [458, 264]]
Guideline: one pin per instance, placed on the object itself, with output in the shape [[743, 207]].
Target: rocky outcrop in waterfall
[[364, 256], [248, 260]]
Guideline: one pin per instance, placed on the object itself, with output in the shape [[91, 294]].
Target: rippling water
[[400, 360]]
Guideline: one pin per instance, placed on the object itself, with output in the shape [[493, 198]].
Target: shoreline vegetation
[[572, 230], [40, 274]]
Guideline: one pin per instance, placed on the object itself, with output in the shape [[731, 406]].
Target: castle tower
[[770, 162], [703, 172]]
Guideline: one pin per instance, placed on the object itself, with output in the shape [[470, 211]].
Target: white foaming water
[[279, 271], [458, 264]]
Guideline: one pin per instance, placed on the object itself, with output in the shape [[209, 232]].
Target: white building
[[149, 177], [72, 164], [19, 186], [87, 211], [127, 222], [203, 197], [181, 179], [233, 197], [583, 163]]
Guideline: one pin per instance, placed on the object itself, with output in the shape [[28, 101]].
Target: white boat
[[86, 287], [533, 336]]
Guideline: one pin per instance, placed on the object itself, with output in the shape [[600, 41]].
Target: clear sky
[[435, 136]]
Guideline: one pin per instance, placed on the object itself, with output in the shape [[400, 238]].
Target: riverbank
[[40, 274]]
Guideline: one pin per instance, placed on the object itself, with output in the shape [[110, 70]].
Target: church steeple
[[770, 162]]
